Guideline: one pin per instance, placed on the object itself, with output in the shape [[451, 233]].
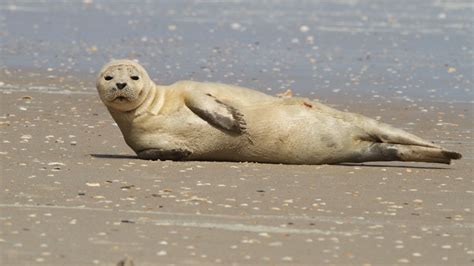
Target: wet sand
[[73, 193]]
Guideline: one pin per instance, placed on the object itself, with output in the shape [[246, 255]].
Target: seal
[[191, 120]]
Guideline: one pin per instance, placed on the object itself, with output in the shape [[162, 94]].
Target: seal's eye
[[135, 77], [108, 77]]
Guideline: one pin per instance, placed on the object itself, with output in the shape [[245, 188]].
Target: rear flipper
[[380, 132], [399, 152]]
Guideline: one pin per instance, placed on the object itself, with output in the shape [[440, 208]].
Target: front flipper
[[160, 154], [216, 112]]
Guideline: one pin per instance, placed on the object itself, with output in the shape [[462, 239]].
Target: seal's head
[[123, 85]]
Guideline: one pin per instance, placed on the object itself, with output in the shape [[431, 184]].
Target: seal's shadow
[[119, 156], [114, 156], [391, 166]]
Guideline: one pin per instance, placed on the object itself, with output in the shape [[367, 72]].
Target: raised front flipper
[[216, 112]]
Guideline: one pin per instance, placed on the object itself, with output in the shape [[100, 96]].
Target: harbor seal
[[191, 120]]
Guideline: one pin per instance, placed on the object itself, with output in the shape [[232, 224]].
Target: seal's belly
[[291, 134]]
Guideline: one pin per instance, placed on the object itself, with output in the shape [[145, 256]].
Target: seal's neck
[[153, 102]]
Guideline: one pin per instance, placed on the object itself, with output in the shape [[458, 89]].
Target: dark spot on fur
[[308, 105], [384, 150], [331, 145], [328, 141]]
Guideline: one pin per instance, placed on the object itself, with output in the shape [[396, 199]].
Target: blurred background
[[413, 50]]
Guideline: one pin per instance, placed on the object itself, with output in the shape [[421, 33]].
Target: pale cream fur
[[276, 130]]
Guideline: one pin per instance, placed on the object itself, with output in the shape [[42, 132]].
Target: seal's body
[[208, 121]]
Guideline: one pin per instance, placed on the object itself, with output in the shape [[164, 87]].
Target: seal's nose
[[121, 85]]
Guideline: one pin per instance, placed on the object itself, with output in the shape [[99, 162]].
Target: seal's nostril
[[121, 85]]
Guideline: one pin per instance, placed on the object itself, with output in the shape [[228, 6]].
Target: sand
[[74, 193]]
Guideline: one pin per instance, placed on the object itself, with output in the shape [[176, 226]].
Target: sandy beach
[[73, 193]]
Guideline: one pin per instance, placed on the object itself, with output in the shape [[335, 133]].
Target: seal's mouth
[[124, 96], [120, 99]]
